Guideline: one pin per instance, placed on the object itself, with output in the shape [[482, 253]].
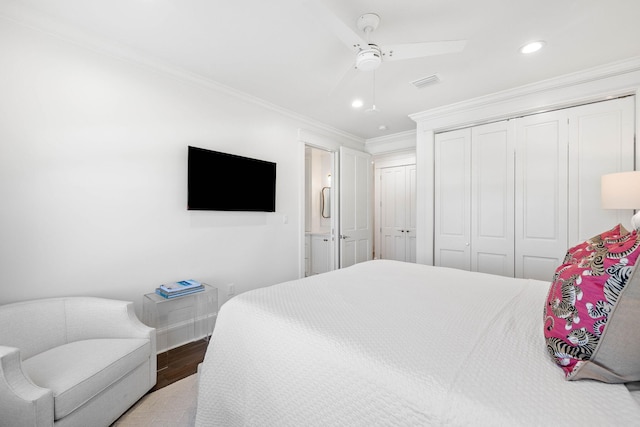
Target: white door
[[452, 230], [561, 158], [474, 172], [398, 213], [392, 208], [601, 141], [356, 216], [410, 212], [541, 194], [492, 198]]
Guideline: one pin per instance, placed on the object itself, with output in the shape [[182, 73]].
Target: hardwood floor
[[180, 363]]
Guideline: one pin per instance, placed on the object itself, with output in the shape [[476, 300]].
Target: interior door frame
[[308, 139]]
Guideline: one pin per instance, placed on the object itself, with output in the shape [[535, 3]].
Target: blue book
[[178, 294], [180, 286]]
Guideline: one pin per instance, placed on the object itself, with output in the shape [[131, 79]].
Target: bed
[[387, 343]]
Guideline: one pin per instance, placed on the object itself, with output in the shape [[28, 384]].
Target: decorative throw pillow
[[592, 312], [584, 249]]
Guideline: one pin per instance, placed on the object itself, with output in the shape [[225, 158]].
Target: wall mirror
[[325, 204]]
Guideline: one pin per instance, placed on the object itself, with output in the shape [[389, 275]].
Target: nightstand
[[180, 320]]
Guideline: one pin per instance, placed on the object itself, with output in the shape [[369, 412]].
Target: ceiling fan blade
[[348, 75], [417, 50], [326, 17]]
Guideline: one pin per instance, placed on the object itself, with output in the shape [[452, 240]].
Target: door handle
[[342, 236]]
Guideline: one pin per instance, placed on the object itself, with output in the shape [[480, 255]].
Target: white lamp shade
[[621, 190]]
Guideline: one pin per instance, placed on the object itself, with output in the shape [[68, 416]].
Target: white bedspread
[[385, 343]]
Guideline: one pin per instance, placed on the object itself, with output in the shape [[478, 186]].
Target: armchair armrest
[[22, 403], [89, 318]]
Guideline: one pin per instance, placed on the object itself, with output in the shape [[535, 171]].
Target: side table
[[180, 320]]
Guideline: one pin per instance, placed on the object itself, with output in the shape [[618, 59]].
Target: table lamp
[[622, 191]]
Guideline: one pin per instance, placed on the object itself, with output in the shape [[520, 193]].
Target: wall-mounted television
[[227, 182]]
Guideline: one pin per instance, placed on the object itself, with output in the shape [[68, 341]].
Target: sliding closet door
[[517, 217], [561, 157], [474, 172], [601, 141], [492, 198], [452, 231], [541, 194]]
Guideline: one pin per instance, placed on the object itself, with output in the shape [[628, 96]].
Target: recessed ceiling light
[[357, 103], [532, 47], [382, 127]]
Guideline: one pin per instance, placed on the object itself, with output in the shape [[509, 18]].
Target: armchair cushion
[[65, 371]]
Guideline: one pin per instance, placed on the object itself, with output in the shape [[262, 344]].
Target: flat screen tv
[[226, 182]]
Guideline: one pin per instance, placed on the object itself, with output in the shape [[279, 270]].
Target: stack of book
[[178, 289]]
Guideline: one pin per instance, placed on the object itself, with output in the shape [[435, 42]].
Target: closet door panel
[[601, 141], [492, 199], [541, 194], [398, 213], [492, 263], [410, 213], [392, 214], [452, 195]]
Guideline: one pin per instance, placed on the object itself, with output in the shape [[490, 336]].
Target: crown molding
[[610, 80], [400, 141]]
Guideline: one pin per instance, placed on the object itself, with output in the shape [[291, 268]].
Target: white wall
[[93, 156]]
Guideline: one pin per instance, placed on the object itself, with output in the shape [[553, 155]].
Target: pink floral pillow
[[583, 295]]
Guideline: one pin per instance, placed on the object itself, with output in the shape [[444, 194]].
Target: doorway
[[320, 211]]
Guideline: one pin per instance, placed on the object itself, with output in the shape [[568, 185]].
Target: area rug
[[171, 406]]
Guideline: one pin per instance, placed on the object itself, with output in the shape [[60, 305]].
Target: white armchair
[[75, 361]]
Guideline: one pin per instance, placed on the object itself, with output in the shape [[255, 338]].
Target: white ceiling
[[277, 51]]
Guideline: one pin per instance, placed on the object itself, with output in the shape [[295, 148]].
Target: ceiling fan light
[[357, 103], [369, 59], [532, 47]]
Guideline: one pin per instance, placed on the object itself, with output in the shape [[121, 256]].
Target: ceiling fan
[[369, 55]]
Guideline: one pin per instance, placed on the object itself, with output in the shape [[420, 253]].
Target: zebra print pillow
[[585, 249], [586, 292]]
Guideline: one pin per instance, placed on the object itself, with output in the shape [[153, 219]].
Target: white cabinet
[[512, 196], [320, 253], [474, 179], [307, 255], [397, 194]]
